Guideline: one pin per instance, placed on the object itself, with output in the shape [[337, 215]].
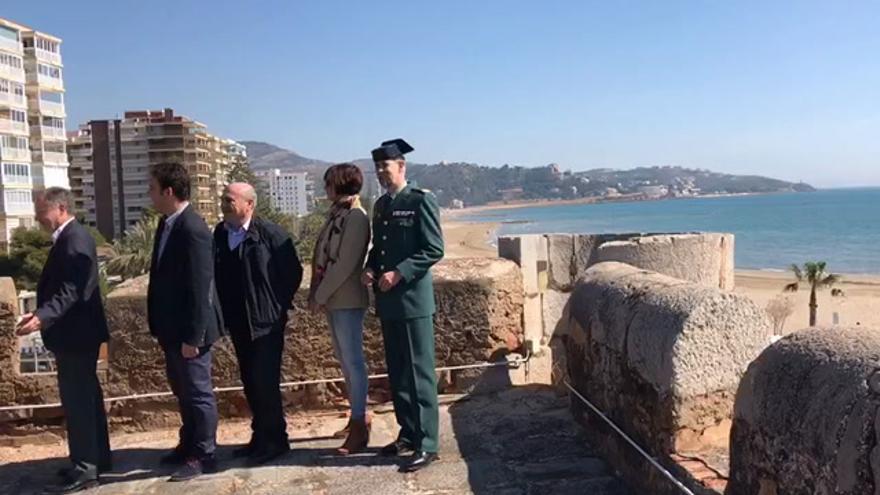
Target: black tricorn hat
[[391, 150]]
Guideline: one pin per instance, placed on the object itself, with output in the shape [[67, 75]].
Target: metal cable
[[632, 442], [513, 364]]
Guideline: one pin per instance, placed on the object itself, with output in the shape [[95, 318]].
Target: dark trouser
[[83, 404], [259, 362], [409, 356], [190, 380]]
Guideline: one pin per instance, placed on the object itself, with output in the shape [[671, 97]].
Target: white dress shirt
[[60, 229], [169, 222]]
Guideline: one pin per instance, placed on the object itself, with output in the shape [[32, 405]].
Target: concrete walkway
[[520, 441]]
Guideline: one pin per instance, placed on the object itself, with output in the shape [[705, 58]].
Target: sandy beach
[[468, 239], [860, 304]]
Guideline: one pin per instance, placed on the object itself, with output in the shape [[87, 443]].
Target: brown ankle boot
[[358, 438]]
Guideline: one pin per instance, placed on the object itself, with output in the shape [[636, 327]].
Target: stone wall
[[662, 357], [807, 416], [551, 265], [479, 305], [14, 388]]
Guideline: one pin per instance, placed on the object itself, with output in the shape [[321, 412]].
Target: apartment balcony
[[13, 101], [18, 209], [14, 154], [48, 82], [13, 127], [50, 158], [9, 45], [13, 74], [52, 133], [80, 152], [17, 182], [44, 56], [48, 108]]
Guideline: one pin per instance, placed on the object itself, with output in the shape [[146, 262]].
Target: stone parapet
[[479, 306], [15, 388], [551, 265], [662, 357], [807, 416]]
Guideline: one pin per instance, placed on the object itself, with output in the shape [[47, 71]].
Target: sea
[[773, 231]]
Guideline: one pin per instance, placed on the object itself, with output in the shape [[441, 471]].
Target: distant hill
[[264, 155], [475, 184]]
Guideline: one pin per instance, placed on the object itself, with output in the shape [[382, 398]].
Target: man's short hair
[[58, 196], [173, 175]]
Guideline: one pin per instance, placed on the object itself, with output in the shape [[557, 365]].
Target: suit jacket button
[[385, 222]]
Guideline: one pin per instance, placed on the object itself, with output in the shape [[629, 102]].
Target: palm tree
[[134, 251], [813, 273]]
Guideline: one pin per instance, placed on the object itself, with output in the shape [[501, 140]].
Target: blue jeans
[[347, 333]]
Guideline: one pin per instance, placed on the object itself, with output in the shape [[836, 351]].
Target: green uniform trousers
[[409, 356]]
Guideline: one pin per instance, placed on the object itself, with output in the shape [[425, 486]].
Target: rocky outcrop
[[661, 356], [807, 416]]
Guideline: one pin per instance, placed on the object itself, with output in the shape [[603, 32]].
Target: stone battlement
[[646, 327]]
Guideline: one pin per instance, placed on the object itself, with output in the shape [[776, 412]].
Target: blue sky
[[786, 89]]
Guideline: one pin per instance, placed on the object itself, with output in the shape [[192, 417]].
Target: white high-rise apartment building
[[289, 192], [32, 134], [45, 92]]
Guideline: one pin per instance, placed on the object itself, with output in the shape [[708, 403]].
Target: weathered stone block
[[17, 388], [584, 256], [530, 253], [704, 258], [807, 415], [554, 313], [659, 354], [560, 256], [533, 318]]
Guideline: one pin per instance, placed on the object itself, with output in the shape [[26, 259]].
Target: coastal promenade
[[519, 441]]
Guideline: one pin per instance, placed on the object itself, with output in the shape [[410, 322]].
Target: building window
[[8, 33], [16, 173], [18, 198], [12, 87], [49, 71], [49, 46], [51, 96], [17, 116], [16, 142], [53, 122], [10, 60]]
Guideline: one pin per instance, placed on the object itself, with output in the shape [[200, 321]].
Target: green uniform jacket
[[406, 238]]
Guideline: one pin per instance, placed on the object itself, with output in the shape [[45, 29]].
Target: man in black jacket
[[258, 273], [70, 318], [184, 315]]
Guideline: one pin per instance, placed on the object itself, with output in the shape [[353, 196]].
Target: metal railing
[[515, 363]]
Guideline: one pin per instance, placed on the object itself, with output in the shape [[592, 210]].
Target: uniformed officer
[[407, 241]]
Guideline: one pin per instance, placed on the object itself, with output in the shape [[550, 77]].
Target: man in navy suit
[[184, 315], [70, 318]]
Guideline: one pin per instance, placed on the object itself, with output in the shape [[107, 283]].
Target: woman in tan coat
[[337, 264]]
